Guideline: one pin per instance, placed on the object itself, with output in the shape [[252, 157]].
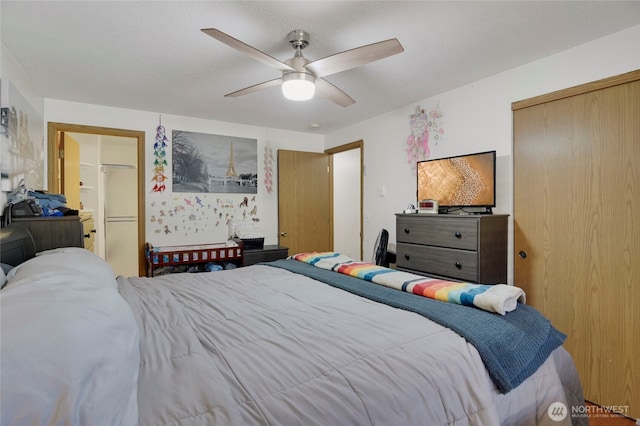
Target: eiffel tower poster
[[214, 163]]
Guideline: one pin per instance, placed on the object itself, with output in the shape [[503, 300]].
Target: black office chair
[[381, 248]]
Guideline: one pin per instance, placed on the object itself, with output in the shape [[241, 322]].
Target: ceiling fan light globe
[[298, 86]]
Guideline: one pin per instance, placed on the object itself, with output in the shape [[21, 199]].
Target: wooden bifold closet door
[[577, 227]]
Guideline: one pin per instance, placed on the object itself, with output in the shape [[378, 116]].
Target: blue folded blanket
[[512, 346]]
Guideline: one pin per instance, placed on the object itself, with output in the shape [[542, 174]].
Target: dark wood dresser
[[471, 248], [53, 231]]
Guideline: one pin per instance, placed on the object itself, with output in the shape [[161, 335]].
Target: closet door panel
[[577, 232]]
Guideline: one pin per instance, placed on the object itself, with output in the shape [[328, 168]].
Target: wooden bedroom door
[[304, 202], [70, 149], [577, 227]]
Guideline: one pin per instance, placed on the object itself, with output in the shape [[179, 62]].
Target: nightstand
[[266, 254]]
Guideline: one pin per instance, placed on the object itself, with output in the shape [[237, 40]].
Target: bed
[[267, 344]]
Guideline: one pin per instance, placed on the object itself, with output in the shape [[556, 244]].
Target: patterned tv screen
[[460, 181]]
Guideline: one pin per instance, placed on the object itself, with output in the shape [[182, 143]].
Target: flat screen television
[[460, 181]]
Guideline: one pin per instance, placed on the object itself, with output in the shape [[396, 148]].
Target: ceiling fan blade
[[354, 57], [255, 88], [331, 92], [246, 49]]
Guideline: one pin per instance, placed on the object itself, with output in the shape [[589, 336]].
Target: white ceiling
[[152, 56]]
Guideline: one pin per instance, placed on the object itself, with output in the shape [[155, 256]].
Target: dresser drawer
[[438, 231], [89, 230], [457, 264]]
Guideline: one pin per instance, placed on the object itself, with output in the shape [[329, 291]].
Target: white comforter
[[69, 344], [261, 345]]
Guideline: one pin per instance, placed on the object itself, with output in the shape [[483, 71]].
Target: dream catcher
[[423, 127], [418, 140]]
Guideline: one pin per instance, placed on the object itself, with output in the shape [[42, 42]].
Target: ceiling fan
[[301, 78]]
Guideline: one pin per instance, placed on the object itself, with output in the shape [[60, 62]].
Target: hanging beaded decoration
[[435, 125], [159, 152], [268, 164]]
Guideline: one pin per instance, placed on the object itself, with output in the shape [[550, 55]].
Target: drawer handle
[[458, 235], [406, 230], [406, 256], [458, 265]]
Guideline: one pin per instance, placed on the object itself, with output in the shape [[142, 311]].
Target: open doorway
[[347, 168], [115, 140]]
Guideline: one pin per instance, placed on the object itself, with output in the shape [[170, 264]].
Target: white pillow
[[50, 266], [3, 278], [70, 343]]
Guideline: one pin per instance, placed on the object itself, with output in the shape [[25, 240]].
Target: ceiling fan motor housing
[[299, 39]]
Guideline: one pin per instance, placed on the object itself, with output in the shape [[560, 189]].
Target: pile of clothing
[[52, 204], [42, 203]]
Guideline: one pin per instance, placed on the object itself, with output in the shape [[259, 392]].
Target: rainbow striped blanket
[[498, 298]]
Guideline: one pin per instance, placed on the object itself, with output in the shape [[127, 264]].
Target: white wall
[[19, 92], [476, 117], [181, 218], [11, 70]]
